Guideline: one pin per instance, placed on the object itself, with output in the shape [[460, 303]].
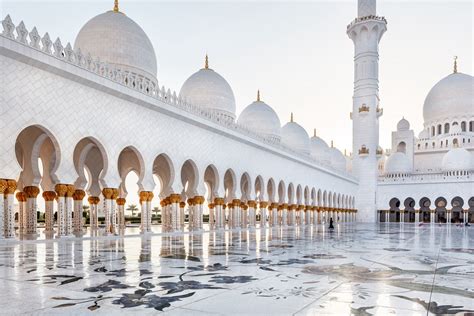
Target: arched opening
[[131, 172], [457, 212], [281, 192], [229, 185], [211, 180], [299, 195], [259, 189], [394, 210], [402, 147], [291, 194], [189, 179], [470, 203], [425, 211], [409, 210], [271, 190], [245, 187], [440, 204]]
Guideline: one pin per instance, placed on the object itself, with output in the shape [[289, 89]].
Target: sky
[[296, 52]]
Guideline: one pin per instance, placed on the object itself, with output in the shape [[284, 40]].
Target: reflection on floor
[[358, 269]]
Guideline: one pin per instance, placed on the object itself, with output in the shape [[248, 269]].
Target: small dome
[[457, 159], [261, 118], [295, 137], [209, 90], [118, 40], [319, 149], [424, 134], [397, 163], [451, 97], [403, 125], [455, 129], [338, 160]]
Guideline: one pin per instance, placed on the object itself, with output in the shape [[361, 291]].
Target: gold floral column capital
[[175, 198], [31, 191], [60, 189], [3, 185], [94, 200], [263, 204], [78, 195], [70, 190], [251, 203], [108, 192], [11, 187], [199, 199], [121, 201], [21, 196], [49, 196]]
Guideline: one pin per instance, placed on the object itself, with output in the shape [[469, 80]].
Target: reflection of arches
[[281, 192], [259, 188], [402, 147], [409, 205], [325, 199], [129, 160], [32, 144], [164, 170], [329, 202], [230, 183], [211, 178], [90, 157], [271, 190], [440, 207], [245, 187], [425, 204], [394, 204], [189, 178], [470, 204]]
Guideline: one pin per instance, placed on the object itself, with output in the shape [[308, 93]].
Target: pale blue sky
[[296, 53]]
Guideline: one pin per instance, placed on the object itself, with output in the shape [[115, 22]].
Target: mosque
[[67, 133]]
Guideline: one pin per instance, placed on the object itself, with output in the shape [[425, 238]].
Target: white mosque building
[[78, 118]]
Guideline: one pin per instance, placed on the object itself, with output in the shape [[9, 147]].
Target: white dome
[[295, 137], [457, 159], [209, 90], [403, 125], [397, 163], [424, 134], [261, 118], [455, 129], [451, 97], [338, 160], [319, 149], [118, 40]]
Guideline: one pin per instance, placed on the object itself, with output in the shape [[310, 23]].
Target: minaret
[[366, 31]]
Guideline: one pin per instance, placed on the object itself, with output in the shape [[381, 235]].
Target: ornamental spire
[[455, 64], [332, 144], [206, 62], [291, 117], [116, 6], [314, 133], [258, 95]]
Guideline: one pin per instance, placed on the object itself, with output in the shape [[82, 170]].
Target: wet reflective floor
[[358, 269]]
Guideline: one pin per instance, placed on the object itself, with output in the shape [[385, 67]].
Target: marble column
[[292, 209], [107, 193], [244, 208], [252, 214], [432, 216], [78, 196], [32, 208], [175, 200], [220, 212], [143, 217], [198, 210], [191, 205], [21, 198], [263, 213], [69, 207], [274, 214], [182, 206], [284, 215], [61, 190], [231, 216], [236, 213], [49, 197], [211, 207], [9, 210], [121, 212], [417, 217], [465, 216], [307, 214], [93, 212], [3, 188]]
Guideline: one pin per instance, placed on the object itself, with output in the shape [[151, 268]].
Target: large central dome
[[118, 40], [451, 97]]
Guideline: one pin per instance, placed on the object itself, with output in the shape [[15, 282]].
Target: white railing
[[464, 176], [367, 18], [138, 83]]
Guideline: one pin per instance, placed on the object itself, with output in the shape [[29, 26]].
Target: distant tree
[[155, 210], [85, 210], [132, 208]]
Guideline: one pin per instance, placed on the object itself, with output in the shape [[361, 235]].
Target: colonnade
[[385, 214], [69, 204]]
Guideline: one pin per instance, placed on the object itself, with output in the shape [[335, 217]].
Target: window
[[463, 126], [446, 128], [439, 129]]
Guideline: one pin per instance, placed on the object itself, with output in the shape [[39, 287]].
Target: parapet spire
[[332, 144], [314, 133], [206, 62], [116, 6], [291, 117], [455, 70], [258, 95]]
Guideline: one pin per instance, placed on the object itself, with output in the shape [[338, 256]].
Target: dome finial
[[291, 117], [455, 64], [332, 144], [116, 6], [206, 62], [258, 95], [314, 133]]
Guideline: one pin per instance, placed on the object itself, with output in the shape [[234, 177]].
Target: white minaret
[[366, 31]]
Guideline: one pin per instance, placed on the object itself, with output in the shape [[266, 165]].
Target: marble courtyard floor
[[359, 269]]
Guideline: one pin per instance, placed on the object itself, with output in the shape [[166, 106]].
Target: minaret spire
[[116, 6], [455, 64], [291, 117], [206, 62], [258, 95], [314, 133]]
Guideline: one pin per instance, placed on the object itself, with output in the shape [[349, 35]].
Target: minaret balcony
[[367, 18], [363, 151], [364, 109], [379, 153], [379, 112]]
